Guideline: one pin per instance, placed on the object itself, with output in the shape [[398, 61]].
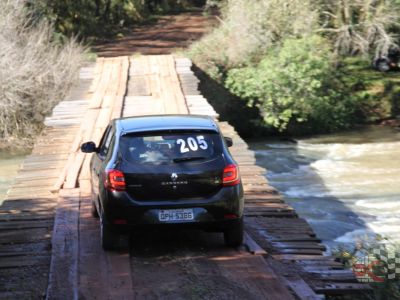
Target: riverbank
[[298, 81]]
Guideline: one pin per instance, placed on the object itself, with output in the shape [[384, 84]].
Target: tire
[[109, 239], [383, 65], [233, 237], [93, 210]]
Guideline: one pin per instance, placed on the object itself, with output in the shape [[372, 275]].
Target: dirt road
[[167, 35]]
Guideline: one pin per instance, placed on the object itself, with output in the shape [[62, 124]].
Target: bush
[[296, 84], [36, 73], [279, 56]]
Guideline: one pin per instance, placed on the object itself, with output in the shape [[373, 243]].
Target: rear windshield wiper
[[181, 159]]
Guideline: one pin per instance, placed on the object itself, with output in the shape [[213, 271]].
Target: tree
[[360, 26]]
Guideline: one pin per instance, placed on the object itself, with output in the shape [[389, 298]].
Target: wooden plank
[[63, 278], [60, 180], [28, 235], [73, 171], [302, 290], [111, 268], [252, 245], [93, 279], [25, 225], [121, 91], [256, 273], [270, 214], [295, 238], [26, 217], [298, 245], [97, 74], [336, 288], [98, 95], [24, 261]]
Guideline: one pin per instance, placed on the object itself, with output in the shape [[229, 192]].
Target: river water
[[9, 165], [346, 185]]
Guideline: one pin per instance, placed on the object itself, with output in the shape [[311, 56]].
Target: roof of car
[[166, 122]]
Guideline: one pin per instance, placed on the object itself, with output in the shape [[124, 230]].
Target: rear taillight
[[115, 181], [231, 175]]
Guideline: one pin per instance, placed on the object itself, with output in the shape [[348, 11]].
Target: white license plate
[[175, 215]]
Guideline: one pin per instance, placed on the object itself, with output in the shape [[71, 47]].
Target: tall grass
[[35, 71]]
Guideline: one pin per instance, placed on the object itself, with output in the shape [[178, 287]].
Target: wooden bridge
[[50, 245]]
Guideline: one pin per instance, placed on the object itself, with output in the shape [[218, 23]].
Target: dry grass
[[35, 72], [248, 29], [360, 26]]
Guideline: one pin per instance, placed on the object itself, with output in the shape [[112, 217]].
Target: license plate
[[175, 215]]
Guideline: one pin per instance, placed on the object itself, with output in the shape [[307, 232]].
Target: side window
[[111, 146], [105, 142]]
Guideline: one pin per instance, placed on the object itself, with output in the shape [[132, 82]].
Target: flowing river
[[346, 185], [9, 165]]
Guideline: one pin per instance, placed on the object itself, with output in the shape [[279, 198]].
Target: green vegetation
[[305, 65], [296, 84], [35, 70], [101, 18], [378, 92]]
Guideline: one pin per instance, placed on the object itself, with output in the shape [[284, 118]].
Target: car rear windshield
[[170, 148]]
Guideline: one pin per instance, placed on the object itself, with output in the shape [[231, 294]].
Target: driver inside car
[[142, 152]]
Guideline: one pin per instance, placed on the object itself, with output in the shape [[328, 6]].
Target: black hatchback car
[[165, 170]]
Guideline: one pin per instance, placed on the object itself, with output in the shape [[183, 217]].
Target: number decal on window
[[192, 144], [202, 143], [182, 142]]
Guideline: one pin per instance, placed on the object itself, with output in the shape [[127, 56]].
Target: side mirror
[[229, 141], [88, 147]]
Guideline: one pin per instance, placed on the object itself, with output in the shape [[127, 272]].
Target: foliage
[[296, 84], [287, 57], [380, 91], [35, 71], [249, 28], [360, 26], [99, 17], [87, 17]]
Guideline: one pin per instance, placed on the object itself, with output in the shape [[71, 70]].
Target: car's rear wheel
[[109, 239], [233, 236]]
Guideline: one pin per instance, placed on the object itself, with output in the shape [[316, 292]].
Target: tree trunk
[[106, 14], [97, 13]]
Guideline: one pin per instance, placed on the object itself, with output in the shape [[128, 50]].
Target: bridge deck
[[45, 221]]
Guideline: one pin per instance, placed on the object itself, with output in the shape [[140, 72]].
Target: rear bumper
[[216, 226], [209, 214]]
